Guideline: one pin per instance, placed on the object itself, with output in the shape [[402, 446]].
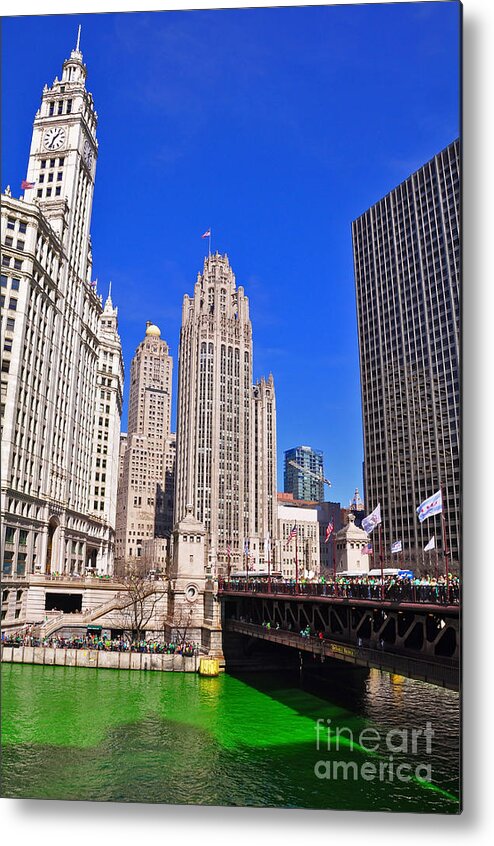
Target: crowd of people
[[394, 588], [104, 644]]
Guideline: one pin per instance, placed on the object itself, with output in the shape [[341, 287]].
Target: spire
[[109, 304], [78, 39]]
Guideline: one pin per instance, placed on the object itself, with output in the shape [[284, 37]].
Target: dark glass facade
[[407, 272]]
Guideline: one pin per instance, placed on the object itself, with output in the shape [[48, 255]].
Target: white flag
[[396, 546], [369, 523], [433, 505], [431, 544]]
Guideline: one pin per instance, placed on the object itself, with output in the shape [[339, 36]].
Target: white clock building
[[62, 371]]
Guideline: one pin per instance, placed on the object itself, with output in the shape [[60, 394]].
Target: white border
[[40, 823]]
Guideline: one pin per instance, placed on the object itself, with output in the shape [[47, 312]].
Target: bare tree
[[138, 603]]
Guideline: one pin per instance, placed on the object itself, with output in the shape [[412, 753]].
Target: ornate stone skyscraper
[[54, 429], [145, 492], [216, 468]]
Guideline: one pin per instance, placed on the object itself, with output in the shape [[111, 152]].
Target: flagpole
[[269, 568], [436, 573], [296, 555], [445, 542], [381, 560], [334, 559], [209, 242]]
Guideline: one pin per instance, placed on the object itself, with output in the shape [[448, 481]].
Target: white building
[[301, 553], [226, 426], [147, 453], [350, 542], [56, 514]]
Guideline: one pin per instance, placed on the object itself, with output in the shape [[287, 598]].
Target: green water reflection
[[161, 737]]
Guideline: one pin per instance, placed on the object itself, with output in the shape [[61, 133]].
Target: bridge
[[410, 630]]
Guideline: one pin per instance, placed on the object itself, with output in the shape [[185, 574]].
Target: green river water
[[109, 735]]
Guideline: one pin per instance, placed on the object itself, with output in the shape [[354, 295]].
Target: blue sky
[[276, 127]]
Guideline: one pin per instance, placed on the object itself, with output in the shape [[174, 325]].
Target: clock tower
[[62, 161]]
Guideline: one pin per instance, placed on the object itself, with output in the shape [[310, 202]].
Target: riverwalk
[[99, 659]]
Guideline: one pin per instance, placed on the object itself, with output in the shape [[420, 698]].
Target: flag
[[431, 544], [246, 546], [328, 532], [369, 523], [207, 234], [229, 551], [433, 505], [25, 184], [396, 546], [293, 534], [367, 549]]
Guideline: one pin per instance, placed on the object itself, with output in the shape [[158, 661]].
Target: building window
[[39, 192], [14, 284], [21, 245], [60, 107], [17, 264], [43, 163], [4, 280], [69, 106], [22, 226], [58, 191], [59, 176], [61, 161], [51, 109], [13, 304], [52, 162], [9, 241], [50, 177], [48, 192], [41, 178], [10, 223]]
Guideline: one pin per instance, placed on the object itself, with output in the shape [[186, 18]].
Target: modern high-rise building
[[147, 456], [226, 426], [407, 272], [62, 371], [302, 481]]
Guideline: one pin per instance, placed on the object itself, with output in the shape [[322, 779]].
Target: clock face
[[54, 138], [87, 153]]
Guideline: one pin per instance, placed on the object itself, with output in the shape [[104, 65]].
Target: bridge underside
[[419, 642]]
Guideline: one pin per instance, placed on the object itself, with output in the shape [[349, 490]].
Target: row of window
[[57, 107], [11, 221], [7, 262]]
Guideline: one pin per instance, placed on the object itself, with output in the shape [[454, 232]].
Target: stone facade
[[54, 339], [350, 541], [217, 471], [304, 548], [147, 453]]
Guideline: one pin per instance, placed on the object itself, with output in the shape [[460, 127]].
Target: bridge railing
[[394, 592]]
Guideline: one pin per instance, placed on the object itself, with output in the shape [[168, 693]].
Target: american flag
[[246, 546], [293, 534], [328, 532], [229, 551], [207, 234], [25, 184], [367, 549]]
